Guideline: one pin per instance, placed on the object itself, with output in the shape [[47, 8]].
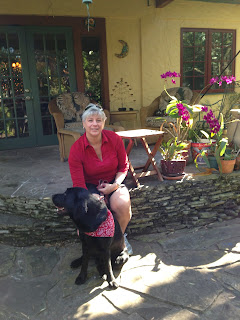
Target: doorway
[[36, 64]]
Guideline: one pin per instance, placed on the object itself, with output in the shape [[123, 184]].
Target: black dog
[[90, 214]]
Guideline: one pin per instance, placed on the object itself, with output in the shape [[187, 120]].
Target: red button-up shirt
[[86, 167]]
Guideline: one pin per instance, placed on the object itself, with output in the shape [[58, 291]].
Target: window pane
[[41, 65], [2, 131], [23, 128], [44, 106], [216, 53], [199, 53], [52, 66], [50, 42], [198, 83], [200, 38], [199, 68], [21, 108], [43, 86], [187, 82], [63, 65], [227, 53], [4, 66], [188, 54], [38, 43], [188, 69], [65, 84], [13, 43], [227, 39], [188, 38], [216, 68], [3, 43], [61, 42], [54, 86], [9, 109], [228, 71], [6, 88], [217, 38], [11, 129]]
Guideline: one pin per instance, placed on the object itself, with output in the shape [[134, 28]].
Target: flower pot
[[227, 165], [173, 168], [198, 147], [213, 162]]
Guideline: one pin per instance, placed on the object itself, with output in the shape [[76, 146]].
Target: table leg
[[131, 169], [151, 154]]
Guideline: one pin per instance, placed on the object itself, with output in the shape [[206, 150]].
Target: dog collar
[[106, 228]]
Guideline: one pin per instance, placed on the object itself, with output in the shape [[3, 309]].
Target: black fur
[[87, 212]]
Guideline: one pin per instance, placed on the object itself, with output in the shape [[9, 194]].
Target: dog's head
[[86, 211]]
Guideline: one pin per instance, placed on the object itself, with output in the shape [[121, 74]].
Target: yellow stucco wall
[[153, 36]]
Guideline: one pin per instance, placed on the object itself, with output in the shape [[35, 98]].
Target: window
[[205, 53]]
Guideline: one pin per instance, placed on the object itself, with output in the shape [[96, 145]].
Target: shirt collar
[[86, 143]]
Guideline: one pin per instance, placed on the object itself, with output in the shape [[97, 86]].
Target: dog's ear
[[84, 205]]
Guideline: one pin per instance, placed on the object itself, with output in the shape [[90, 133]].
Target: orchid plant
[[183, 115]]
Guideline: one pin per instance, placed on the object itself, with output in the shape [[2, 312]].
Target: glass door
[[36, 64], [16, 111]]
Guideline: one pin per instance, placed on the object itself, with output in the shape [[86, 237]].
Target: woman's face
[[94, 125]]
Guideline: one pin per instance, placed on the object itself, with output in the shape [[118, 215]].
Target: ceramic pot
[[197, 147], [227, 165], [173, 168]]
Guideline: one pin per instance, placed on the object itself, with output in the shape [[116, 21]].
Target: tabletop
[[139, 133]]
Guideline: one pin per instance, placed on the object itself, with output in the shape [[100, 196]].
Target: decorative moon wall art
[[124, 51]]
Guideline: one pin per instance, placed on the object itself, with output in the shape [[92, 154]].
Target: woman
[[98, 162]]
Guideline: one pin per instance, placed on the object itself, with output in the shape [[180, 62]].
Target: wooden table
[[117, 116], [130, 135]]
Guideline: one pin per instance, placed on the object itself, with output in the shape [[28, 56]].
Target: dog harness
[[106, 228]]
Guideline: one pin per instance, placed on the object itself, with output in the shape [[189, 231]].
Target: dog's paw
[[121, 259], [81, 279], [113, 284], [76, 263]]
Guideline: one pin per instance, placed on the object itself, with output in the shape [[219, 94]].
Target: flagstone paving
[[185, 275]]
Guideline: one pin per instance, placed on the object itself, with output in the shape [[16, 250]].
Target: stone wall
[[164, 206]]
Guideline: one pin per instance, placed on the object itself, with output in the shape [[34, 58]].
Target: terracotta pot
[[227, 166], [173, 168]]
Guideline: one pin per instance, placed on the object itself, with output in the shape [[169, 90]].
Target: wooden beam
[[162, 3]]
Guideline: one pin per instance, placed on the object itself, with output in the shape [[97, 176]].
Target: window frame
[[208, 76]]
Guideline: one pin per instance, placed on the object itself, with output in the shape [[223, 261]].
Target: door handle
[[27, 98]]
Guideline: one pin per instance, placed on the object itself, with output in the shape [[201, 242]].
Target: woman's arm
[[76, 167]]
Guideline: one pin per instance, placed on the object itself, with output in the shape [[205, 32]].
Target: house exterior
[[44, 46]]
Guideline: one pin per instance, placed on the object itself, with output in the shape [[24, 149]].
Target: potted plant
[[173, 163], [219, 145], [228, 162]]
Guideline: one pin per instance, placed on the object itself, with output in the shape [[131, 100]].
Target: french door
[[36, 64]]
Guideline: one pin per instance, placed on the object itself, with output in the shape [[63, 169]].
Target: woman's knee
[[120, 201]]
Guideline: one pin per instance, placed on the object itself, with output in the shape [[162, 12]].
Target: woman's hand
[[107, 188]]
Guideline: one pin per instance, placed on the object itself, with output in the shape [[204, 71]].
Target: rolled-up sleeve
[[123, 163]]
